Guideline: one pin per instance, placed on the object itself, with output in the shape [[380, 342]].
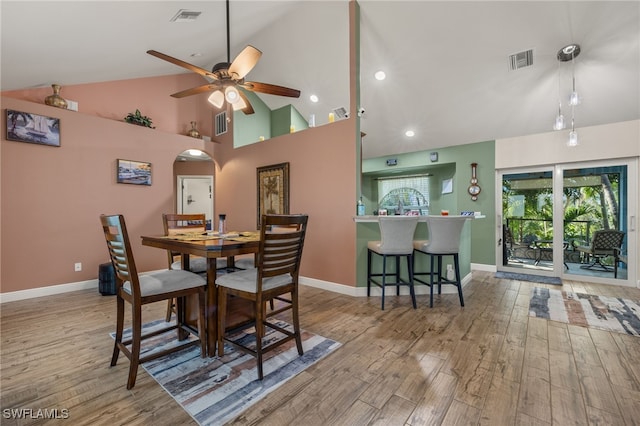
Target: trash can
[[106, 279]]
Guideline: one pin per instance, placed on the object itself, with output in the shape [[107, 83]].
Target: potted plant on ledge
[[138, 119]]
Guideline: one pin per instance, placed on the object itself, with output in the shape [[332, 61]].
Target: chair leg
[[411, 289], [296, 321], [456, 265], [222, 316], [136, 338], [384, 277], [397, 275], [170, 305], [368, 273], [439, 274], [202, 334], [119, 329], [431, 283], [259, 307]]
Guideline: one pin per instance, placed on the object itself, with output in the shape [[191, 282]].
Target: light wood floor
[[486, 364]]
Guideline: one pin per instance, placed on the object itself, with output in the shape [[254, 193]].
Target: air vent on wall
[[221, 123], [341, 113], [521, 60], [184, 15]]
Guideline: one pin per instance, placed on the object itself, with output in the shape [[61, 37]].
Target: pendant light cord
[[228, 42]]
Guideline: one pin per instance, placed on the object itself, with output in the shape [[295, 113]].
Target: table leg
[[211, 314]]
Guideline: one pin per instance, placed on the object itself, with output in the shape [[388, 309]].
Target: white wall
[[617, 140]]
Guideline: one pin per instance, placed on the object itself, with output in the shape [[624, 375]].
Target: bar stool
[[396, 241], [444, 240]]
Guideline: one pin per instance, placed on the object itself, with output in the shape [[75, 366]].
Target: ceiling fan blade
[[246, 108], [183, 64], [244, 62], [196, 90], [270, 89]]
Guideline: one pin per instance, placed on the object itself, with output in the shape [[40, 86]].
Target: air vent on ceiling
[[521, 60], [341, 113], [221, 123], [184, 15]]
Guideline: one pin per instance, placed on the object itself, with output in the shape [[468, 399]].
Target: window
[[404, 193]]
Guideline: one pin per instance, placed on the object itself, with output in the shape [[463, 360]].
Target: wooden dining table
[[211, 246]]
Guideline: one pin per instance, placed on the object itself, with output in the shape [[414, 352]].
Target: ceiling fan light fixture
[[231, 94], [239, 104], [217, 99]]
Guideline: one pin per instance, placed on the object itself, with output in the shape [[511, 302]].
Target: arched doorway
[[194, 172]]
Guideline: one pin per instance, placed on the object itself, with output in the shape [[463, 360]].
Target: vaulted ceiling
[[447, 63]]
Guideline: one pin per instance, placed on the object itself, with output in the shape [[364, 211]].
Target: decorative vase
[[56, 100], [193, 132]]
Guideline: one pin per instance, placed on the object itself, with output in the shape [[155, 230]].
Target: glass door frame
[[554, 272], [558, 220]]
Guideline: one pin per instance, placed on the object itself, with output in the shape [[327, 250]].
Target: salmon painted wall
[[52, 197], [322, 185], [115, 99]]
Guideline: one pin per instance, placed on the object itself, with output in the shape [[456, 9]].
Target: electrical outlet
[[77, 267]]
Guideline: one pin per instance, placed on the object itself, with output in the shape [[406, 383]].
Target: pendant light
[[566, 54]]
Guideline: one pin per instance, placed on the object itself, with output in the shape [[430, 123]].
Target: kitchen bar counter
[[368, 230]]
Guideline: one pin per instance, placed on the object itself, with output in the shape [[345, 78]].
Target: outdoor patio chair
[[605, 243]]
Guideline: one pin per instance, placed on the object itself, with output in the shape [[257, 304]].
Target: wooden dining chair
[[177, 223], [140, 290], [276, 275]]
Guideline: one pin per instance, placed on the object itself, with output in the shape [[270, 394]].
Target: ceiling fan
[[227, 77]]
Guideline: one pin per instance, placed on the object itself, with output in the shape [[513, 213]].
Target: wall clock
[[474, 188]]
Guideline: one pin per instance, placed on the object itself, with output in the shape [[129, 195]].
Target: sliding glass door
[[573, 220], [527, 225]]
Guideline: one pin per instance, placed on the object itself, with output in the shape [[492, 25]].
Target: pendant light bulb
[[574, 99], [573, 136], [559, 124]]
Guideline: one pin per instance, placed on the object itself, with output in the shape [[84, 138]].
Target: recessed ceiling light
[[410, 133], [380, 75], [313, 98], [196, 55]]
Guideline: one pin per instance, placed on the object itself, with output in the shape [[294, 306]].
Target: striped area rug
[[216, 390], [586, 310]]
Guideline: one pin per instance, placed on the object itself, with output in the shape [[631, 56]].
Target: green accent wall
[[247, 129], [453, 163]]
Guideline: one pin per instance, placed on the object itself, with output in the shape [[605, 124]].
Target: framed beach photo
[[273, 190], [32, 128], [133, 172]]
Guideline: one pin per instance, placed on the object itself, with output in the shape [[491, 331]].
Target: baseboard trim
[[31, 293]]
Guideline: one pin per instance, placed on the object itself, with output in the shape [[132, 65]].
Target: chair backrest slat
[[117, 238], [281, 243]]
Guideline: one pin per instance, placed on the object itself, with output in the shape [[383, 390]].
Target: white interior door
[[195, 195]]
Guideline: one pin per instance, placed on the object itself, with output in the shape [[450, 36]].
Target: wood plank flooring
[[485, 364]]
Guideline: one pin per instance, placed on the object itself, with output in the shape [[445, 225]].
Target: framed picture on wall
[[133, 172], [32, 128], [273, 189]]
